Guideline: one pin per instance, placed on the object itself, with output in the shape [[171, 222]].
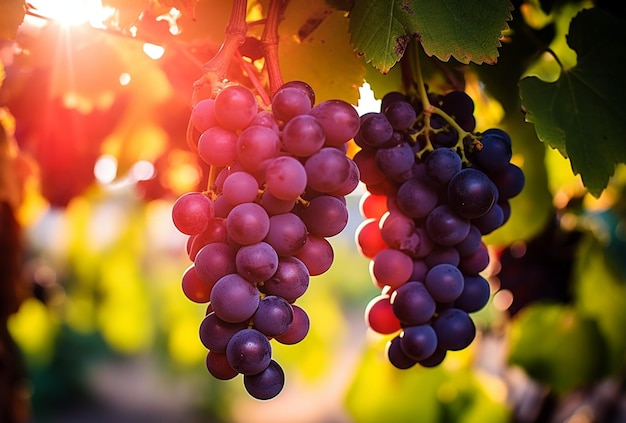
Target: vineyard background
[[93, 153]]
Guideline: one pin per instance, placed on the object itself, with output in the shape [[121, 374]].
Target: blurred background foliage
[[96, 115]]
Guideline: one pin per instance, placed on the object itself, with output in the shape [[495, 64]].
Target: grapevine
[[434, 187], [278, 175]]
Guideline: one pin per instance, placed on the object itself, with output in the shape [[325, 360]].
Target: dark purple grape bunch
[[260, 231], [441, 191]]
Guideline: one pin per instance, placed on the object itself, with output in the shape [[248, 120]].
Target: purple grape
[[509, 181], [215, 332], [234, 299], [325, 216], [418, 342], [298, 329], [445, 227], [444, 282], [396, 162], [287, 233], [249, 352], [267, 384], [401, 115], [290, 281], [471, 193], [454, 328], [442, 164], [397, 357], [273, 316], [412, 303], [495, 153], [458, 104], [416, 198], [256, 262], [475, 295], [375, 129]]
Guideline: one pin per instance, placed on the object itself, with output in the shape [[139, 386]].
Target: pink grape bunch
[[433, 189], [260, 231]]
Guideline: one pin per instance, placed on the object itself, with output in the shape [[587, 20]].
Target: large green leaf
[[582, 114], [469, 30], [557, 346]]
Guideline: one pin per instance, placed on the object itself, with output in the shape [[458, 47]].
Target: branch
[[269, 43], [214, 71]]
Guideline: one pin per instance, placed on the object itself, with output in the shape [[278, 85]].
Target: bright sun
[[74, 12]]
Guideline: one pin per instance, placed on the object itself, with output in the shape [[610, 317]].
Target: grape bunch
[[277, 181], [434, 187]]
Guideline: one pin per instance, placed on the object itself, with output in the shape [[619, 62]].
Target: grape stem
[[430, 109], [269, 43], [214, 71]]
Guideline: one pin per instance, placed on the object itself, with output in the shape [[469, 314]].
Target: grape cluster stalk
[[434, 188], [277, 185]]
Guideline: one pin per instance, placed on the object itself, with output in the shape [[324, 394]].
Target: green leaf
[[469, 31], [11, 17], [582, 114], [557, 346], [601, 291]]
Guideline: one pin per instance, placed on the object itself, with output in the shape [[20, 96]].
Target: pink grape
[[257, 145], [192, 212], [247, 223], [217, 146], [203, 116], [285, 178], [235, 107], [339, 119]]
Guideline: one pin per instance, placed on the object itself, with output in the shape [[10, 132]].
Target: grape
[[194, 287], [202, 116], [214, 261], [273, 316], [234, 299], [458, 104], [397, 357], [290, 281], [475, 295], [325, 216], [471, 193], [273, 205], [247, 223], [398, 231], [509, 181], [495, 153], [431, 194], [235, 107], [276, 188], [416, 199], [446, 227], [303, 136], [217, 146], [372, 206], [256, 262], [379, 315], [369, 239], [289, 102], [454, 328], [265, 118], [287, 233], [339, 119], [298, 329], [215, 332], [442, 164], [317, 254], [392, 267], [327, 169], [285, 178], [401, 115], [396, 162], [375, 129], [444, 282], [256, 145], [218, 366], [192, 212], [412, 303], [249, 351], [418, 342], [215, 232], [267, 384], [240, 187]]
